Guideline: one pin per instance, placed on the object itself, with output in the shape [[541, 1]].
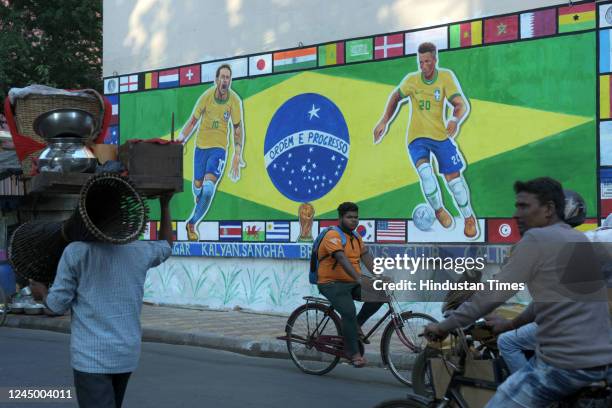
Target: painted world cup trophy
[[306, 214]]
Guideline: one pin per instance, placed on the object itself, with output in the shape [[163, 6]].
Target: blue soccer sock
[[197, 191], [208, 190]]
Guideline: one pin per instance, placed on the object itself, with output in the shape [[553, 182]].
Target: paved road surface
[[172, 376]]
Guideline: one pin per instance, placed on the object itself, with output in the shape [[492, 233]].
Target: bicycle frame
[[458, 379], [334, 345], [454, 395], [398, 323]]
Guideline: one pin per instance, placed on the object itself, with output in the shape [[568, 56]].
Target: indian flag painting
[[307, 118], [295, 59]]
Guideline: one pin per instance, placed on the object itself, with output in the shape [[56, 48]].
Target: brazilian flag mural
[[427, 141]]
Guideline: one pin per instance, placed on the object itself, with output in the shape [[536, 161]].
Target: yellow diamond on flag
[[491, 129]]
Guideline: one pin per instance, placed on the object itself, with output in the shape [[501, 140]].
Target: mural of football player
[[216, 108], [433, 92]]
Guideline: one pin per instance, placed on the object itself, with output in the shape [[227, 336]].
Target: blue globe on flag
[[423, 217], [306, 148]]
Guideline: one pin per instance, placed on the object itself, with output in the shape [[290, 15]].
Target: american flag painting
[[393, 231]]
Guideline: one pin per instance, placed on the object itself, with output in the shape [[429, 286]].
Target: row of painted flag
[[269, 231], [605, 109], [501, 231], [605, 180], [483, 31], [605, 38], [605, 66]]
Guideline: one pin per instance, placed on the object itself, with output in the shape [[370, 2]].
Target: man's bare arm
[[165, 228], [390, 108], [238, 140], [368, 260], [459, 107], [459, 110], [187, 130]]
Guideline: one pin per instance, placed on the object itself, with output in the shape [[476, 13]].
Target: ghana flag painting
[[308, 135]]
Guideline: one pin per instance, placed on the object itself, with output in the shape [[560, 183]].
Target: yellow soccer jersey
[[215, 116], [428, 102]]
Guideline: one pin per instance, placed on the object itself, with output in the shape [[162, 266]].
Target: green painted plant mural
[[252, 286], [196, 279], [165, 276], [230, 285], [283, 287]]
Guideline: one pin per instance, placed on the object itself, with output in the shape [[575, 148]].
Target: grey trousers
[[100, 390]]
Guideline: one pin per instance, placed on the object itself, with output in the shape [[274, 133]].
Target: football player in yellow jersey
[[212, 114], [431, 132]]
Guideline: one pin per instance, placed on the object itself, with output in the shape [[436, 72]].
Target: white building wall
[[142, 35]]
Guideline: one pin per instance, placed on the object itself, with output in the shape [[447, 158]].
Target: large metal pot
[[67, 154], [65, 123], [34, 309]]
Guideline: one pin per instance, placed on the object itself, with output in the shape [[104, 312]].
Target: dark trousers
[[341, 296], [100, 390]]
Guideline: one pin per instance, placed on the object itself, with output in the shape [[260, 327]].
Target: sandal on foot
[[359, 362]]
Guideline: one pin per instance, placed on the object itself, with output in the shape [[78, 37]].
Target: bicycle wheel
[[304, 328], [398, 356], [3, 307]]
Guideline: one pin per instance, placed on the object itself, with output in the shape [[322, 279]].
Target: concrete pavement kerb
[[204, 328], [241, 332]]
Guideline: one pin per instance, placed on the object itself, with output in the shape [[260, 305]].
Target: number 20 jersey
[[428, 102]]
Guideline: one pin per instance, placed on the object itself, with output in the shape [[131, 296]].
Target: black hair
[[545, 189], [427, 47], [346, 207], [226, 66]]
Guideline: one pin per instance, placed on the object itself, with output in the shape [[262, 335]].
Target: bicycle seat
[[315, 299]]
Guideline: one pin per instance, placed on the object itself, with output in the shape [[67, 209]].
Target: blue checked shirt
[[103, 285]]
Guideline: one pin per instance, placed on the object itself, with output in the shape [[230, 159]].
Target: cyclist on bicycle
[[573, 341], [339, 277], [515, 345]]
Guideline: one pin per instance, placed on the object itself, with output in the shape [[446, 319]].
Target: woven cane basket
[[29, 108], [110, 210]]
